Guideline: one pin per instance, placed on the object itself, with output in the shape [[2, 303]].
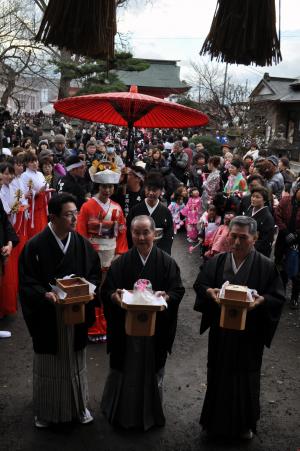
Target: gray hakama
[[60, 388], [132, 398]]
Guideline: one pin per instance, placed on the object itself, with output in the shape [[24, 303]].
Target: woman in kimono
[[35, 185], [15, 206], [213, 182], [102, 221], [260, 211]]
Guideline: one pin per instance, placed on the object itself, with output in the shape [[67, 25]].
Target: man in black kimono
[[152, 206], [132, 394], [231, 405], [59, 371]]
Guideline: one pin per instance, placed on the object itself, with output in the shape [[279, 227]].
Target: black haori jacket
[[263, 276], [164, 275], [41, 262]]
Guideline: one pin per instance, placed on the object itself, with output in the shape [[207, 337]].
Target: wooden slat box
[[78, 295], [234, 307], [140, 319]]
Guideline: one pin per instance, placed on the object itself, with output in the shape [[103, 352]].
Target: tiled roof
[[160, 74], [280, 89]]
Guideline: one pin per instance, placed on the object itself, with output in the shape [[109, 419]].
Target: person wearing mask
[[112, 156]]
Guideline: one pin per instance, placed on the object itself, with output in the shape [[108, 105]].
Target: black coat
[[231, 405], [162, 218], [164, 274], [41, 262], [74, 185], [265, 228]]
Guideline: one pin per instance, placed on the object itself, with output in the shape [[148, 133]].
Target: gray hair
[[143, 218], [177, 144], [244, 221]]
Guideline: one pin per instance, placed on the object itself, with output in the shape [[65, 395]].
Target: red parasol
[[130, 109]]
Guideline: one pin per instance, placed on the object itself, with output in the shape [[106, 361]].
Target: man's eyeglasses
[[71, 214]]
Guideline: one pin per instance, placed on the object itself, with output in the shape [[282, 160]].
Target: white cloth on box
[[143, 298]]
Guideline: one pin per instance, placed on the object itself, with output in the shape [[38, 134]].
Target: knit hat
[[273, 160], [45, 153], [59, 139], [43, 141]]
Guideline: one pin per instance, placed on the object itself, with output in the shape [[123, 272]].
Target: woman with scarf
[[236, 183]]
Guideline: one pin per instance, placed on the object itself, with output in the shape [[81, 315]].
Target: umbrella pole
[[130, 146]]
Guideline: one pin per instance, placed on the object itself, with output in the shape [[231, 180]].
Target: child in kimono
[[175, 208], [192, 211], [208, 224]]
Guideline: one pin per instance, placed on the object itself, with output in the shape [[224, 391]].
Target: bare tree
[[222, 100], [19, 55]]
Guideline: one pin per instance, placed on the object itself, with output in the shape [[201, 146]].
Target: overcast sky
[[173, 29]]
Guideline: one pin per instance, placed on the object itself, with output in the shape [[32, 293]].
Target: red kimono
[[14, 204], [34, 181], [105, 227]]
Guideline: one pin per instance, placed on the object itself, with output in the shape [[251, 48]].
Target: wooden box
[[74, 313], [140, 319], [74, 287], [234, 307], [236, 292], [78, 295]]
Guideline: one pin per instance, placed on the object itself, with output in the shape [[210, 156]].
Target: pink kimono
[[219, 241], [209, 228], [192, 211]]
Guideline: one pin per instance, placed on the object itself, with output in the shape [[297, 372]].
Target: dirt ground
[[278, 429]]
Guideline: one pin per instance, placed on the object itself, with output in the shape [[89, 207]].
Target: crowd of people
[[74, 191]]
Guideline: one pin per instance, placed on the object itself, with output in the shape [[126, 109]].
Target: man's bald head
[[141, 219]]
